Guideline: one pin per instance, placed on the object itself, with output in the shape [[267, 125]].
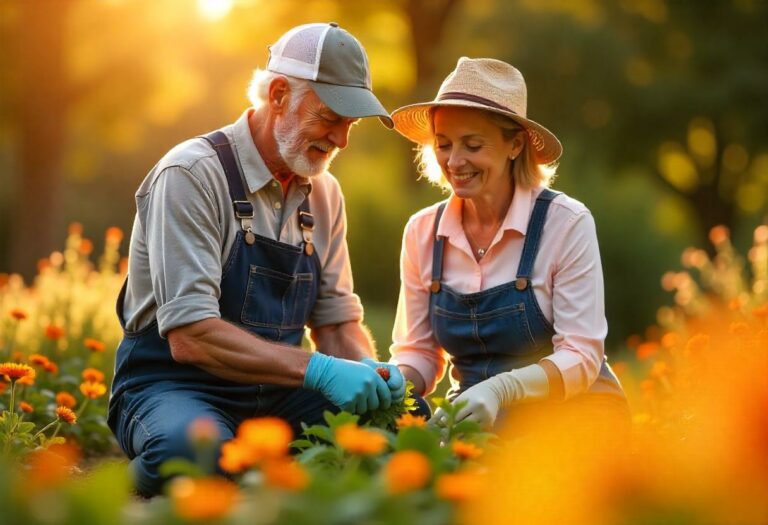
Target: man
[[238, 244]]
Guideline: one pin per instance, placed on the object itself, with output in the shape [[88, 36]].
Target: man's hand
[[395, 381], [350, 385]]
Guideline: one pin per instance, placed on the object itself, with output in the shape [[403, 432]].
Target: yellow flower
[[356, 440], [406, 471], [66, 415], [265, 437], [286, 474], [66, 399], [203, 498], [409, 420], [459, 486], [93, 375], [16, 371], [93, 390], [94, 345], [464, 450]]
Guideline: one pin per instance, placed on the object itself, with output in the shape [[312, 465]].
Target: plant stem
[[82, 407], [46, 427]]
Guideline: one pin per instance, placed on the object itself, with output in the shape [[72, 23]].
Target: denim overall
[[267, 288], [498, 329]]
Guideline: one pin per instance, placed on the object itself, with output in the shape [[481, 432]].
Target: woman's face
[[472, 152]]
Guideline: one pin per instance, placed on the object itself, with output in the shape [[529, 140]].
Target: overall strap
[[438, 249], [533, 236], [307, 225], [242, 207]]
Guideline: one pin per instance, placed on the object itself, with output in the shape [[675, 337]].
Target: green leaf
[[179, 467], [319, 431], [301, 444]]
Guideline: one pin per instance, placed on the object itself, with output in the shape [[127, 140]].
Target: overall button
[[277, 205]]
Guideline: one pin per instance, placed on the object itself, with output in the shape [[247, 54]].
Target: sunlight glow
[[214, 10]]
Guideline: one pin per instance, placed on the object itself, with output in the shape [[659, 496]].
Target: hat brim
[[414, 122], [352, 102]]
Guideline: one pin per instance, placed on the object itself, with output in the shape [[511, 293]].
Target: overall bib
[[267, 288], [498, 329]]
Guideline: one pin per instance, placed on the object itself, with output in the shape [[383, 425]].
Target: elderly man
[[238, 244]]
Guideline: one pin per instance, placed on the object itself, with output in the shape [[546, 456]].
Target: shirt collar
[[254, 169], [517, 217]]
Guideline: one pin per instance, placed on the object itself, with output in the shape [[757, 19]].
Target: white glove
[[485, 399]]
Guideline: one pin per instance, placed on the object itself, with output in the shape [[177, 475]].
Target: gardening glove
[[485, 399], [349, 385], [395, 381]]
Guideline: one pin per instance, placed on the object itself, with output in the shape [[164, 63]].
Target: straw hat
[[482, 83]]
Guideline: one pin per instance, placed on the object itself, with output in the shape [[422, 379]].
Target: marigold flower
[[647, 349], [66, 399], [16, 371], [94, 345], [65, 414], [93, 375], [459, 486], [27, 381], [114, 235], [286, 474], [670, 340], [26, 407], [86, 247], [51, 367], [3, 385], [53, 332], [464, 450], [356, 440], [38, 359], [75, 228], [51, 466], [203, 498], [93, 390], [265, 437], [235, 457], [719, 234], [407, 470], [19, 314], [409, 420]]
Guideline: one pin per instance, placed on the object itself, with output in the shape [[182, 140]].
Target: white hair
[[258, 88]]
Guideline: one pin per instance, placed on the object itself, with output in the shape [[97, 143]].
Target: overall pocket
[[275, 299]]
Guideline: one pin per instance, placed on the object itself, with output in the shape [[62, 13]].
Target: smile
[[463, 177]]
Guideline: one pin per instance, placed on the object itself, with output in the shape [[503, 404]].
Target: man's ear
[[277, 97]]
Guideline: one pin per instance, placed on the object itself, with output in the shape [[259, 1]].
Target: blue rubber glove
[[396, 381], [349, 385]]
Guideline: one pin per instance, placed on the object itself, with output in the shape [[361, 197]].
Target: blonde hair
[[258, 88], [526, 172]]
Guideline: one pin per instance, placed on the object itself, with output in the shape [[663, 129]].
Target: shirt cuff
[[426, 367], [336, 310], [186, 310], [574, 370]]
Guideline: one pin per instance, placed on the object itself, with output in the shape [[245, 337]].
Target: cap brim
[[414, 122], [352, 102]]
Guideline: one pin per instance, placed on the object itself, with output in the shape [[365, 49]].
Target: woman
[[504, 277]]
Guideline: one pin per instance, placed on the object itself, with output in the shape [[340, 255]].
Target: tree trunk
[[40, 120]]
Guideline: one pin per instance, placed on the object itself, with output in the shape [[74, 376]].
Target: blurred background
[[661, 107]]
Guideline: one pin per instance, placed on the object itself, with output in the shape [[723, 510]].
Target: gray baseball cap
[[336, 65]]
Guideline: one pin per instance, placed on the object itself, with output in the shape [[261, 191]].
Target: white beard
[[292, 149]]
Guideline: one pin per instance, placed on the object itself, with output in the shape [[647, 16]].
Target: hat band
[[473, 98]]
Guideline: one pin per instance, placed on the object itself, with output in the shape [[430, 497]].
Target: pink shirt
[[567, 281]]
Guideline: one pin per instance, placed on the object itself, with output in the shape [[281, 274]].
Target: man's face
[[309, 135]]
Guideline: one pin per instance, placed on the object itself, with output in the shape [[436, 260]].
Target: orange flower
[[203, 498], [356, 440], [66, 399], [464, 450], [93, 390], [16, 371], [761, 312], [670, 340], [3, 386], [53, 332], [719, 234], [50, 466], [114, 235], [286, 474], [659, 369], [647, 349], [38, 359], [19, 314], [26, 407], [203, 431], [234, 457], [86, 247], [29, 380], [406, 471], [66, 415], [75, 228], [697, 344], [459, 486], [409, 420], [92, 375], [51, 367], [94, 345], [265, 437]]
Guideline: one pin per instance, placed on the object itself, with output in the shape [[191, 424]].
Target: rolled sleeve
[[413, 341], [180, 220], [336, 303], [578, 307]]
